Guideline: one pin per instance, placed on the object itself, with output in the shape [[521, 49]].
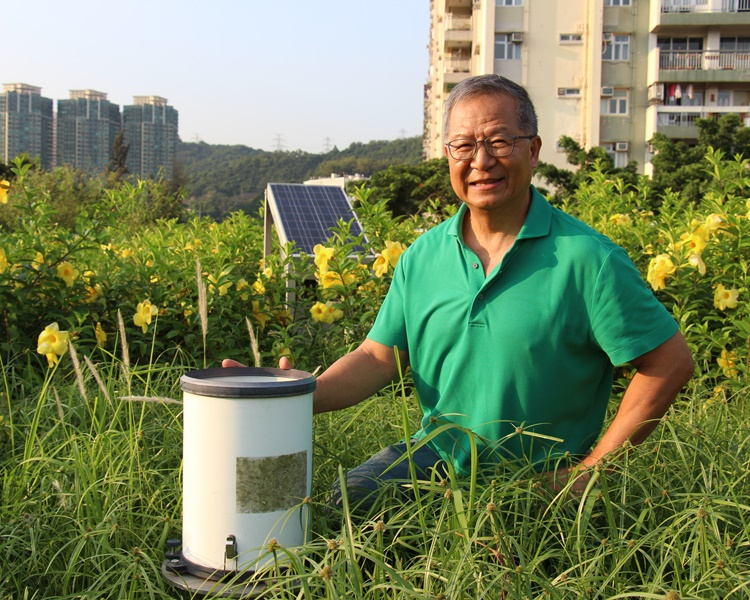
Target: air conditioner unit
[[656, 92], [561, 91], [608, 91], [607, 38], [516, 37], [621, 146]]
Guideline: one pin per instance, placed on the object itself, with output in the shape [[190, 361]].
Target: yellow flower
[[659, 268], [4, 264], [380, 266], [143, 314], [326, 313], [260, 316], [4, 187], [714, 222], [93, 293], [727, 361], [696, 261], [725, 298], [126, 253], [621, 219], [241, 284], [52, 343], [268, 272], [322, 256], [101, 336], [214, 283], [319, 312], [392, 252], [38, 261], [694, 242], [67, 273], [259, 288], [149, 263], [328, 279]]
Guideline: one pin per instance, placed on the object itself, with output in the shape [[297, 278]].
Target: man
[[512, 315]]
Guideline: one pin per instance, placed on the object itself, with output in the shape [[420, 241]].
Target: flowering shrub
[[694, 257], [192, 288]]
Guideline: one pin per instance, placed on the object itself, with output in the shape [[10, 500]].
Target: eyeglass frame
[[476, 143]]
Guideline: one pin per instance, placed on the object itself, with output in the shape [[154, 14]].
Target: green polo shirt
[[523, 358]]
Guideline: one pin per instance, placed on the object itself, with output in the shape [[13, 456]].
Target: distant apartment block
[[26, 124], [87, 124], [151, 130], [607, 73]]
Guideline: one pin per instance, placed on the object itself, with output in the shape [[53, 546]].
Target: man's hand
[[284, 363], [577, 476]]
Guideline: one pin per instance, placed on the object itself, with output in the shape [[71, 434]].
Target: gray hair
[[493, 85]]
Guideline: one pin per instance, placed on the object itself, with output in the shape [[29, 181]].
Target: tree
[[681, 168], [117, 167], [565, 182], [409, 188]]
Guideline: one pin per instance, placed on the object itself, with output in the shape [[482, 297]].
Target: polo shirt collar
[[537, 223]]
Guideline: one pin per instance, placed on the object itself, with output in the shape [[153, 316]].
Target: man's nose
[[482, 158]]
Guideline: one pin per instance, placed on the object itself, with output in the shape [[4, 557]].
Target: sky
[[269, 74]]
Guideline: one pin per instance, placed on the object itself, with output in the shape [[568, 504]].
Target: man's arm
[[659, 377], [357, 376], [353, 377]]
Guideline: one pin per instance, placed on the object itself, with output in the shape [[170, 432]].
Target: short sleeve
[[627, 319]]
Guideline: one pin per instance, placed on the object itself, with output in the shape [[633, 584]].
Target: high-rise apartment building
[[607, 73], [151, 130], [26, 124], [87, 124]]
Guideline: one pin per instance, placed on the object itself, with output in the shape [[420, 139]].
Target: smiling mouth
[[482, 182]]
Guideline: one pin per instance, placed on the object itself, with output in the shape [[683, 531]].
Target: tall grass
[[91, 491]]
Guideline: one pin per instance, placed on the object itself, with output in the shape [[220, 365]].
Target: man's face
[[486, 182]]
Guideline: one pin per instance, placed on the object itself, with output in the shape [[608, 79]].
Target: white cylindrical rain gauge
[[247, 466]]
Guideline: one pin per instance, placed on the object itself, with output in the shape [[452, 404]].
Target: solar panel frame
[[306, 214]]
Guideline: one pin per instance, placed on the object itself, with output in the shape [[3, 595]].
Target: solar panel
[[306, 214]]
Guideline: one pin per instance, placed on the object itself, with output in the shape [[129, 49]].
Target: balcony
[[457, 31], [705, 66], [678, 122], [699, 14], [691, 6]]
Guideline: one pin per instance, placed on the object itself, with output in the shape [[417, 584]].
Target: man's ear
[[535, 146]]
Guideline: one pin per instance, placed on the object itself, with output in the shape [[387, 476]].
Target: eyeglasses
[[496, 146]]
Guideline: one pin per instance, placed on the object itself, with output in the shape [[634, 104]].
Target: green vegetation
[[677, 167], [222, 179], [91, 432]]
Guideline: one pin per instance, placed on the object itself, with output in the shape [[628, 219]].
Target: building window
[[617, 49], [569, 92], [508, 2], [724, 98], [616, 2], [616, 104], [571, 38], [505, 48], [618, 153], [735, 44]]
